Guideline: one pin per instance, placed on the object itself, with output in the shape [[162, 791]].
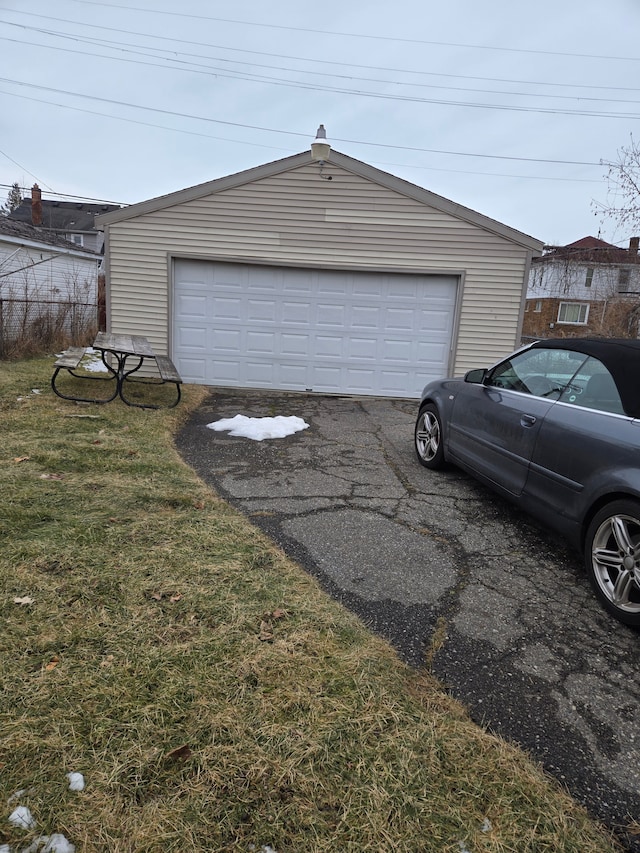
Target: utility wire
[[379, 95], [360, 35], [107, 42], [289, 132]]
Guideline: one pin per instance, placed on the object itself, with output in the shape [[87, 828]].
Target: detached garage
[[330, 276]]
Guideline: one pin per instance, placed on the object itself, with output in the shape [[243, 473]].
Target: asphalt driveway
[[447, 572]]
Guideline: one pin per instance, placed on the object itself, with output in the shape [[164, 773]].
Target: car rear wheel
[[428, 438], [612, 557]]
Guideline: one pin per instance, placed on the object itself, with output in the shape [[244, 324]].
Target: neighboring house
[[73, 221], [44, 279], [316, 275], [586, 288]]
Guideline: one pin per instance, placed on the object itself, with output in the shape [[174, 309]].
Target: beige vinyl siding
[[295, 218]]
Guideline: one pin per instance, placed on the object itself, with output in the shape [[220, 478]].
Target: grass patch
[[212, 695]]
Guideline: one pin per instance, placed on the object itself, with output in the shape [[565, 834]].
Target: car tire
[[428, 438], [612, 559]]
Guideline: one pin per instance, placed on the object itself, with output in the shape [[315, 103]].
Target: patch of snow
[[16, 796], [260, 428], [55, 843], [4, 848], [22, 818], [93, 362], [76, 781]]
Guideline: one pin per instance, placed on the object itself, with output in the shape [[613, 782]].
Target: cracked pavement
[[526, 646]]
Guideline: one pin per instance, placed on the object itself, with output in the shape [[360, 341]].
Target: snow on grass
[[22, 818], [260, 428], [93, 362], [76, 781]]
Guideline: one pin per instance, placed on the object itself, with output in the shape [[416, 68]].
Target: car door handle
[[527, 420]]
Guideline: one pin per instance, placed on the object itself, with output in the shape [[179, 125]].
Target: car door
[[494, 425], [586, 444]]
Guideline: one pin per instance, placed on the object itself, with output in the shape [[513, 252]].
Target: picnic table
[[122, 356]]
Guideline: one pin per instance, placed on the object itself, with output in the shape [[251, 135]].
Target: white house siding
[[568, 279], [46, 274], [295, 218]]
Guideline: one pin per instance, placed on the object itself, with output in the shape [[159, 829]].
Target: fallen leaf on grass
[[21, 458], [279, 613], [52, 476], [198, 504], [158, 596], [107, 661], [180, 753], [53, 663], [25, 599]]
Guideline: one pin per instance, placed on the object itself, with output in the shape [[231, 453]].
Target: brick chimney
[[36, 205], [634, 242]]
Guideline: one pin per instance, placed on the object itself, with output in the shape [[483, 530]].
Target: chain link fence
[[33, 326]]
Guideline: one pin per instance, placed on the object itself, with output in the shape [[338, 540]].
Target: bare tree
[[14, 199], [623, 194]]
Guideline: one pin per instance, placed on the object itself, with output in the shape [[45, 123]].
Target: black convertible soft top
[[621, 357]]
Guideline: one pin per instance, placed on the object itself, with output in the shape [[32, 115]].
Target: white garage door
[[335, 332]]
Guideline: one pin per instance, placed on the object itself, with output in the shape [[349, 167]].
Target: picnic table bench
[[115, 351]]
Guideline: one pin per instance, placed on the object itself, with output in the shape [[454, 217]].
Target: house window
[[538, 306], [589, 279], [573, 312], [77, 239], [624, 276]]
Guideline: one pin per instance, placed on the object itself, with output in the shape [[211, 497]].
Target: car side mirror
[[476, 376]]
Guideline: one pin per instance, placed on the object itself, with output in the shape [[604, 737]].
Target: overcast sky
[[505, 107]]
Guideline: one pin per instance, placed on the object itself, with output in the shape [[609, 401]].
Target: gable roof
[[63, 215], [22, 233], [357, 167], [590, 250]]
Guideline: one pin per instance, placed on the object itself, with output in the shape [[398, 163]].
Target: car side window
[[592, 387], [540, 372]]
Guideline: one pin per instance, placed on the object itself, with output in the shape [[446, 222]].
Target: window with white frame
[[538, 306], [589, 278], [78, 239], [573, 312]]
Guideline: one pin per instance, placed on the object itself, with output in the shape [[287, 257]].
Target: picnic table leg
[[75, 397]]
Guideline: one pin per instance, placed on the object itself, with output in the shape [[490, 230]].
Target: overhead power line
[[401, 40], [307, 59], [289, 132]]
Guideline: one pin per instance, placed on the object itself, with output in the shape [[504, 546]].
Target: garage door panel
[[192, 338], [260, 311], [430, 321], [399, 350], [331, 331], [257, 342], [364, 317], [327, 346]]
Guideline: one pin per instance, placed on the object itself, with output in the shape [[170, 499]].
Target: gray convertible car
[[554, 427]]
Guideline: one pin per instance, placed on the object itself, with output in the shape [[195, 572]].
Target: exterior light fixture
[[320, 146]]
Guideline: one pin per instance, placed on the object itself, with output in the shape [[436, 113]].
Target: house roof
[[22, 232], [335, 158], [63, 215], [590, 250]]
